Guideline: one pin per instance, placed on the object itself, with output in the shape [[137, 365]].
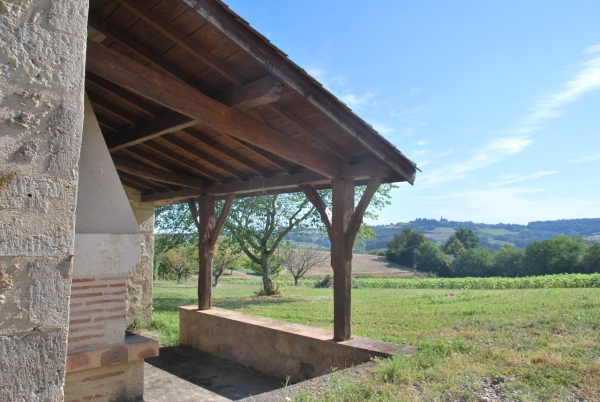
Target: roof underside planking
[[192, 101]]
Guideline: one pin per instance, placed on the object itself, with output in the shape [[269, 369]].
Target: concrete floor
[[182, 374]]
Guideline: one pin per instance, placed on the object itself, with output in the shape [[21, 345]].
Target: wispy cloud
[[354, 100], [384, 129], [587, 158], [495, 151], [550, 105], [422, 142], [513, 178], [406, 114]]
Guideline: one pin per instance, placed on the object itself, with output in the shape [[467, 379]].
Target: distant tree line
[[462, 256]]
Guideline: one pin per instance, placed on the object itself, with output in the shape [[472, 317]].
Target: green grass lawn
[[545, 343], [495, 232]]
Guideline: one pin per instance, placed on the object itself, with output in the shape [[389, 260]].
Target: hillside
[[492, 236]]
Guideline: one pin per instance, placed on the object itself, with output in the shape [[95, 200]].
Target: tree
[[476, 262], [179, 261], [466, 237], [402, 247], [227, 256], [260, 224], [591, 259], [508, 261], [454, 247], [563, 254], [430, 258], [301, 259]]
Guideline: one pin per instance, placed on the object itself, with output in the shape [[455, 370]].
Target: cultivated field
[[510, 344]]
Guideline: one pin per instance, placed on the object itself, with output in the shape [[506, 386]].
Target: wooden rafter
[[163, 176], [181, 98], [279, 67], [141, 9], [258, 93]]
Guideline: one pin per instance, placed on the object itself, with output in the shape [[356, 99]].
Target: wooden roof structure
[[192, 102]]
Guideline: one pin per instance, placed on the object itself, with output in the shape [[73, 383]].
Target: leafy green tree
[[454, 247], [508, 261], [591, 259], [227, 256], [563, 254], [163, 242], [179, 262], [467, 237], [476, 262], [260, 224], [430, 258], [403, 246]]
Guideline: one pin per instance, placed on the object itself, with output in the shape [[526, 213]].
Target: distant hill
[[492, 236]]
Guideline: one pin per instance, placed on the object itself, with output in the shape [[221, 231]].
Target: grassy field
[[495, 232], [534, 344]]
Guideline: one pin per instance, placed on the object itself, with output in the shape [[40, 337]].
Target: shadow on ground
[[203, 375]]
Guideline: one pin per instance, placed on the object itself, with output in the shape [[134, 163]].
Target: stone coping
[[135, 347], [369, 345]]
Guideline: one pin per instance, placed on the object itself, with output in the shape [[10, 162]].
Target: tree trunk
[[216, 281], [295, 281], [268, 287]]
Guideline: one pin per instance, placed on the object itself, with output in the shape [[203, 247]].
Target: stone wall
[[42, 58], [287, 351], [139, 280]]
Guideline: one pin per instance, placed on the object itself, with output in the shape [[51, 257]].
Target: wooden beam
[[125, 72], [258, 93], [222, 218], [250, 186], [215, 162], [110, 107], [151, 173], [268, 156], [364, 171], [281, 68], [314, 197], [141, 50], [310, 131], [202, 171], [141, 9], [228, 152], [208, 233], [166, 124], [343, 206], [357, 216]]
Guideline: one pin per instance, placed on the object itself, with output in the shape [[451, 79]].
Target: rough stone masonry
[[42, 58]]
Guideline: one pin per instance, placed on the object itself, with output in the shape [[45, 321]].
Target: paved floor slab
[[182, 374]]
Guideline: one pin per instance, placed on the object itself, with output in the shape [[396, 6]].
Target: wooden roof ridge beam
[[241, 187], [179, 97], [257, 93], [309, 130], [138, 48], [165, 124], [279, 66], [163, 176], [141, 9]]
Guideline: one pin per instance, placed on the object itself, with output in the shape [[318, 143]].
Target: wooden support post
[[342, 228], [343, 207], [208, 232]]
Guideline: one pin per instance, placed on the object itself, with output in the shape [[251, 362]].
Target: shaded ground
[[182, 374]]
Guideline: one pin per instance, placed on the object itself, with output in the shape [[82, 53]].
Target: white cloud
[[405, 114], [384, 129], [550, 105], [512, 178], [496, 151], [587, 158], [422, 142], [592, 49], [354, 100]]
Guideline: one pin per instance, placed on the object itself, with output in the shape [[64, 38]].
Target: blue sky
[[498, 102]]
